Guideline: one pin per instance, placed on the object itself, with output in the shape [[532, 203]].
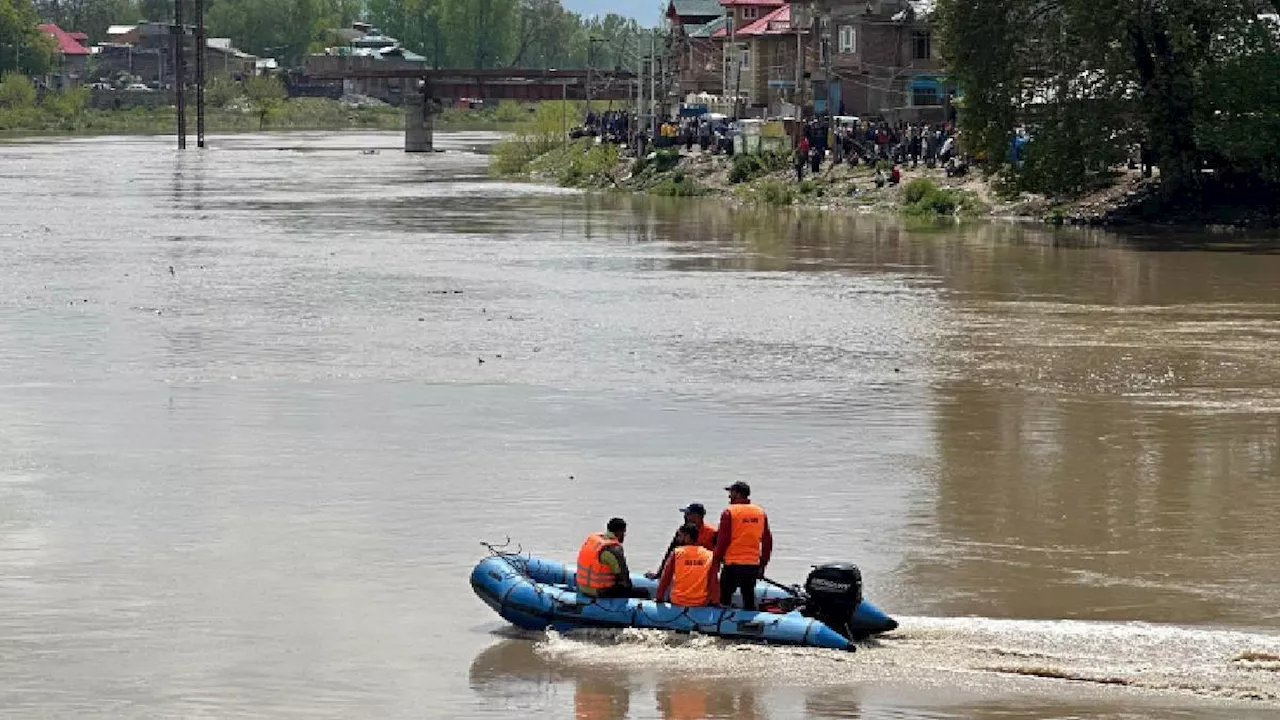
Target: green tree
[[22, 47], [67, 104], [266, 96], [480, 33], [1089, 77], [415, 23], [16, 91]]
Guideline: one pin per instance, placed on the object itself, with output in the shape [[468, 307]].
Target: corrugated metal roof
[[695, 8], [709, 29]]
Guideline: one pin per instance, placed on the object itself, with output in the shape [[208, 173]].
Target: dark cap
[[695, 508], [741, 488]]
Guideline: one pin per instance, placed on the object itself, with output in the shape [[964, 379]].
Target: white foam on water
[[973, 654]]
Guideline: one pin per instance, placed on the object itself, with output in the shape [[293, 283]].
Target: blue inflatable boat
[[536, 594]]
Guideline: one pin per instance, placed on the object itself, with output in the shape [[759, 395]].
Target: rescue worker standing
[[695, 514], [744, 545], [602, 566], [687, 573]]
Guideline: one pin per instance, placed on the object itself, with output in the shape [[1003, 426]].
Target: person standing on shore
[[744, 545], [802, 158]]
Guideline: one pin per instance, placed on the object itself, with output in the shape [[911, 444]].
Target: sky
[[646, 11]]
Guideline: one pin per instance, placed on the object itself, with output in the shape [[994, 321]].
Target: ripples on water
[[258, 405]]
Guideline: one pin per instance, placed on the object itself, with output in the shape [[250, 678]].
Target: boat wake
[[971, 653]]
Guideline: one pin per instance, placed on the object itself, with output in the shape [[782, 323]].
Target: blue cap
[[695, 508]]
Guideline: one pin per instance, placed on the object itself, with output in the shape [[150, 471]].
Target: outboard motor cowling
[[834, 592]]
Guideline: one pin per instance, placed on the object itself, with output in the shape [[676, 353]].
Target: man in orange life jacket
[[696, 515], [743, 545], [602, 566], [687, 573]]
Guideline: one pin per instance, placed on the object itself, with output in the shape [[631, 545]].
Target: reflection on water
[[258, 404], [941, 670], [1091, 401]]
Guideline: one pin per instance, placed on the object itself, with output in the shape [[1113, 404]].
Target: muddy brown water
[[258, 406]]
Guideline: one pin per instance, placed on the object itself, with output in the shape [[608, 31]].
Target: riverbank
[[923, 193], [771, 180]]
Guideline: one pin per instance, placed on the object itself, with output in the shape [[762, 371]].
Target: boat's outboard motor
[[834, 593]]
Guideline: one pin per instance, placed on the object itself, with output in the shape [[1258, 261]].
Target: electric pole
[[178, 32], [200, 50]]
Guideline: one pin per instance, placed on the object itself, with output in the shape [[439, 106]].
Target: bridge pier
[[419, 123]]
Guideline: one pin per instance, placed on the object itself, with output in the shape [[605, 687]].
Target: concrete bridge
[[425, 90]]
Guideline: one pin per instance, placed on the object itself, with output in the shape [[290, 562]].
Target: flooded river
[[260, 405]]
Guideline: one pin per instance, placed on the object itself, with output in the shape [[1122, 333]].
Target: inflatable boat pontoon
[[536, 594]]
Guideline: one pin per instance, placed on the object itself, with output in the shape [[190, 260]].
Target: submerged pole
[[179, 35], [200, 51]]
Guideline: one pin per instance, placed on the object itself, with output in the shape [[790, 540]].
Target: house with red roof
[[883, 60], [70, 55], [762, 45], [872, 58]]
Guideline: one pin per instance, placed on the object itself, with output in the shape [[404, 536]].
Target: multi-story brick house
[[695, 54], [880, 58]]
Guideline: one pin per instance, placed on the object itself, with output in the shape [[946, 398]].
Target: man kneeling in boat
[[602, 566], [687, 572], [695, 514]]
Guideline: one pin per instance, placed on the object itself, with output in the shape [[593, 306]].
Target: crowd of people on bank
[[615, 126], [879, 143], [704, 565], [890, 147]]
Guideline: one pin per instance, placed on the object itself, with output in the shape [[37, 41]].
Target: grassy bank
[[299, 114], [258, 104]]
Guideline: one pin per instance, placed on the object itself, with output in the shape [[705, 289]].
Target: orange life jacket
[[690, 576], [746, 529], [707, 536], [593, 574]]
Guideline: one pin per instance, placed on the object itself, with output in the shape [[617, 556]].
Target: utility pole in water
[[178, 32], [200, 50]]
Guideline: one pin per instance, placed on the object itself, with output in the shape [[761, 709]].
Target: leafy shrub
[[678, 185], [509, 111], [922, 198], [774, 192], [540, 134], [773, 161], [812, 187], [745, 169], [16, 91], [67, 104], [221, 92], [591, 166], [916, 190]]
